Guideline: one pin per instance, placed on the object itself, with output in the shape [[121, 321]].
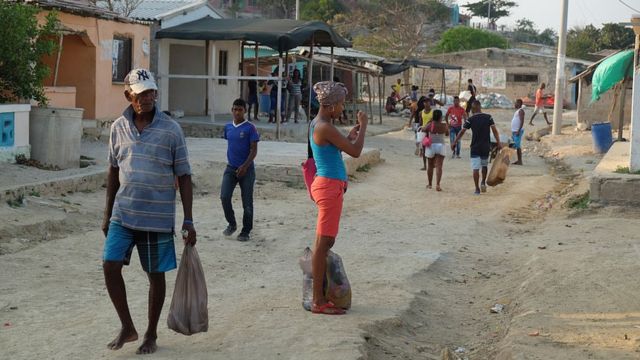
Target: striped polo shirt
[[148, 161]]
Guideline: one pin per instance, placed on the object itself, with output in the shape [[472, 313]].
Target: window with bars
[[120, 58], [522, 78], [223, 56]]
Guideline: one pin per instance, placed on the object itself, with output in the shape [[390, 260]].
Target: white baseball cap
[[139, 80]]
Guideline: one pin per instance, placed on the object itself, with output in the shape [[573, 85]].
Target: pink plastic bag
[[309, 172], [188, 313]]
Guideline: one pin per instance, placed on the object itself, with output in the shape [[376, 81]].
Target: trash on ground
[[495, 100], [497, 309]]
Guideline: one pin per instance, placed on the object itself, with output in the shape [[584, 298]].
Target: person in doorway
[[147, 150], [390, 105], [539, 108], [431, 96], [437, 130], [397, 88], [344, 118], [481, 126], [517, 130], [295, 96], [330, 183], [426, 115], [456, 116], [253, 99], [242, 147], [416, 124], [471, 88]]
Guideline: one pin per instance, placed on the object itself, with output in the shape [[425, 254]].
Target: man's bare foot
[[531, 123], [517, 163], [438, 188], [428, 186], [148, 346], [125, 336]]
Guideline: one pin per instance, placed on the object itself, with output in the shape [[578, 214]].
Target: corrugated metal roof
[[157, 9], [80, 7]]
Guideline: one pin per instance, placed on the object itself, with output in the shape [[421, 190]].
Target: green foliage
[[394, 29], [625, 170], [499, 8], [465, 38], [615, 36], [323, 10], [581, 41], [580, 202], [23, 45], [526, 31]]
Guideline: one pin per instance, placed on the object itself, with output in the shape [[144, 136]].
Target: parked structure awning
[[278, 34]]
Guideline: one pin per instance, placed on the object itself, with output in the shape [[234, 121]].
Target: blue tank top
[[328, 159]]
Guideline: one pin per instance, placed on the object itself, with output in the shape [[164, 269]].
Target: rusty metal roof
[[82, 8]]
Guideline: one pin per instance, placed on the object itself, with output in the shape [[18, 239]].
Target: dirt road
[[425, 268]]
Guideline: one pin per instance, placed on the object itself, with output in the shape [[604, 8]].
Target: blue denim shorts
[[156, 250], [517, 138], [478, 162]]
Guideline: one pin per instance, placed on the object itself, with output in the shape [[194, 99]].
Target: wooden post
[[332, 70], [370, 96], [310, 75], [623, 95], [241, 69], [422, 81], [55, 72], [279, 98], [380, 103], [579, 105], [459, 80]]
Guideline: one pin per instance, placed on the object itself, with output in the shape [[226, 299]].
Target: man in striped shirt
[[147, 151]]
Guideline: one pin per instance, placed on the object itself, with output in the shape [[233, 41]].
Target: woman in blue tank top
[[329, 185]]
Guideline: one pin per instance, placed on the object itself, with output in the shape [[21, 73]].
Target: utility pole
[[489, 17], [560, 74], [297, 9]]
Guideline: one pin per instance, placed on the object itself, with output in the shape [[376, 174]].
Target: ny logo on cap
[[142, 75]]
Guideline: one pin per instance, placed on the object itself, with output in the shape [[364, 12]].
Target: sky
[[546, 13]]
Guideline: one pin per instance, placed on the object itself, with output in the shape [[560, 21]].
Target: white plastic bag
[[335, 283], [188, 313]]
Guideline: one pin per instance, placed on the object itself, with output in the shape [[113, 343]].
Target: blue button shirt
[[148, 162], [239, 139]]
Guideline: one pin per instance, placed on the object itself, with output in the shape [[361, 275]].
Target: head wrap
[[330, 92]]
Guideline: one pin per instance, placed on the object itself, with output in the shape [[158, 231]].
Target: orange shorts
[[328, 194]]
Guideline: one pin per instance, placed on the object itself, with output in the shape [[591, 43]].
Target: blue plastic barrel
[[602, 139]]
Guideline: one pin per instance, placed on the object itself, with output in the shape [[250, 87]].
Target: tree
[[23, 45], [465, 38], [526, 31], [548, 36], [581, 42], [396, 29], [279, 9], [122, 7], [323, 10], [615, 36], [499, 9]]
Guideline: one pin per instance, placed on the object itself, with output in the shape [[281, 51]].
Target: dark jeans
[[453, 132], [229, 182]]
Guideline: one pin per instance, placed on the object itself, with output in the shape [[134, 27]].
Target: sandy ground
[[425, 268]]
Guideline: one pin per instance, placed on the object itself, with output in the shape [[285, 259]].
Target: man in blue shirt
[[147, 151], [242, 148]]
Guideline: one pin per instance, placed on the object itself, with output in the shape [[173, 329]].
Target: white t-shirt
[[515, 122]]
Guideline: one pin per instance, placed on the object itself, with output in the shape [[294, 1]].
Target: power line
[[625, 4]]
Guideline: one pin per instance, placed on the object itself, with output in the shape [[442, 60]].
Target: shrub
[[23, 45]]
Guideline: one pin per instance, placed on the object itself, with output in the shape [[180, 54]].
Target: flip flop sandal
[[327, 309]]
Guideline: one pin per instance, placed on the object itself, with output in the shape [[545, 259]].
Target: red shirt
[[456, 115], [539, 101]]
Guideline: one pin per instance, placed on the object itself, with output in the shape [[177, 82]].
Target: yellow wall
[[86, 62]]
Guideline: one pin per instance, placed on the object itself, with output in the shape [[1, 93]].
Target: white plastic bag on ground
[[336, 285], [188, 313]]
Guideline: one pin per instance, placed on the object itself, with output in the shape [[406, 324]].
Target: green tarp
[[278, 34], [610, 72]]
